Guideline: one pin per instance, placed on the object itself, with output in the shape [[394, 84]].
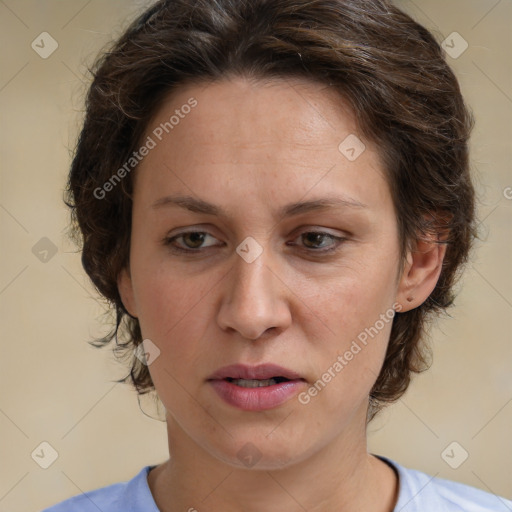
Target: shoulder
[[131, 496], [420, 492]]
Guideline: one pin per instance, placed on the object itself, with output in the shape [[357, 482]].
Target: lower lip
[[256, 399]]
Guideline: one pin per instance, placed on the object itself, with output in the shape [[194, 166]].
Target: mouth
[[256, 383], [255, 376], [256, 388]]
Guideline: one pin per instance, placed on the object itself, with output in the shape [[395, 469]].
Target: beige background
[[56, 388]]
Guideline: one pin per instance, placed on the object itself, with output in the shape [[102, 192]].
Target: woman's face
[[266, 280]]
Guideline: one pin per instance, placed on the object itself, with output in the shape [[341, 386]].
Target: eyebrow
[[199, 206]]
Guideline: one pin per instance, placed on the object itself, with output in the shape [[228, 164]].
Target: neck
[[341, 476]]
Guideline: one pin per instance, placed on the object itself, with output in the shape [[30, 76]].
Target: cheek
[[349, 299], [347, 366], [172, 308], [349, 320], [173, 315]]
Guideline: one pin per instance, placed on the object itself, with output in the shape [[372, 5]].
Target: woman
[[275, 197]]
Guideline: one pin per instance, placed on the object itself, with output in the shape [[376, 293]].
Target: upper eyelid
[[301, 229], [183, 233], [204, 231]]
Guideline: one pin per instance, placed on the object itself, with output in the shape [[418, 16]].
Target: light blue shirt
[[418, 492]]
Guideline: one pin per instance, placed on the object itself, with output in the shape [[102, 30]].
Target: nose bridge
[[253, 297], [252, 278]]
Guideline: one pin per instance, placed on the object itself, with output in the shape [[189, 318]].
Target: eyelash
[[168, 241]]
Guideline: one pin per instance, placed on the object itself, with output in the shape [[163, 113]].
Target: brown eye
[[191, 241], [313, 240]]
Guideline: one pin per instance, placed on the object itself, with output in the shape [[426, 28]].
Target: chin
[[261, 453]]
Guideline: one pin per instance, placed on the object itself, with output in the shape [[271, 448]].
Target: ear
[[421, 273], [125, 287]]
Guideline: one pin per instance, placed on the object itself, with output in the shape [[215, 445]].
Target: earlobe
[[421, 273], [125, 287]]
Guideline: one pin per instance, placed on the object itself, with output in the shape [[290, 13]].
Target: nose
[[254, 299]]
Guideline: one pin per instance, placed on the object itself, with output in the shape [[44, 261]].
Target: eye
[[192, 241], [313, 241]]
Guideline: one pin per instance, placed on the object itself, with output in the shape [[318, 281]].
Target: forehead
[[252, 111], [271, 138]]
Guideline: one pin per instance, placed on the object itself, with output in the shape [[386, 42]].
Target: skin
[[251, 148]]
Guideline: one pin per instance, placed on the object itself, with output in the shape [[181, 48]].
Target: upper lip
[[259, 372]]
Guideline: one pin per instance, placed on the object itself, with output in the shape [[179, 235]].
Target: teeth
[[252, 383]]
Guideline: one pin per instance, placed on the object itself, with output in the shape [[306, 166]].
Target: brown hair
[[388, 67]]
